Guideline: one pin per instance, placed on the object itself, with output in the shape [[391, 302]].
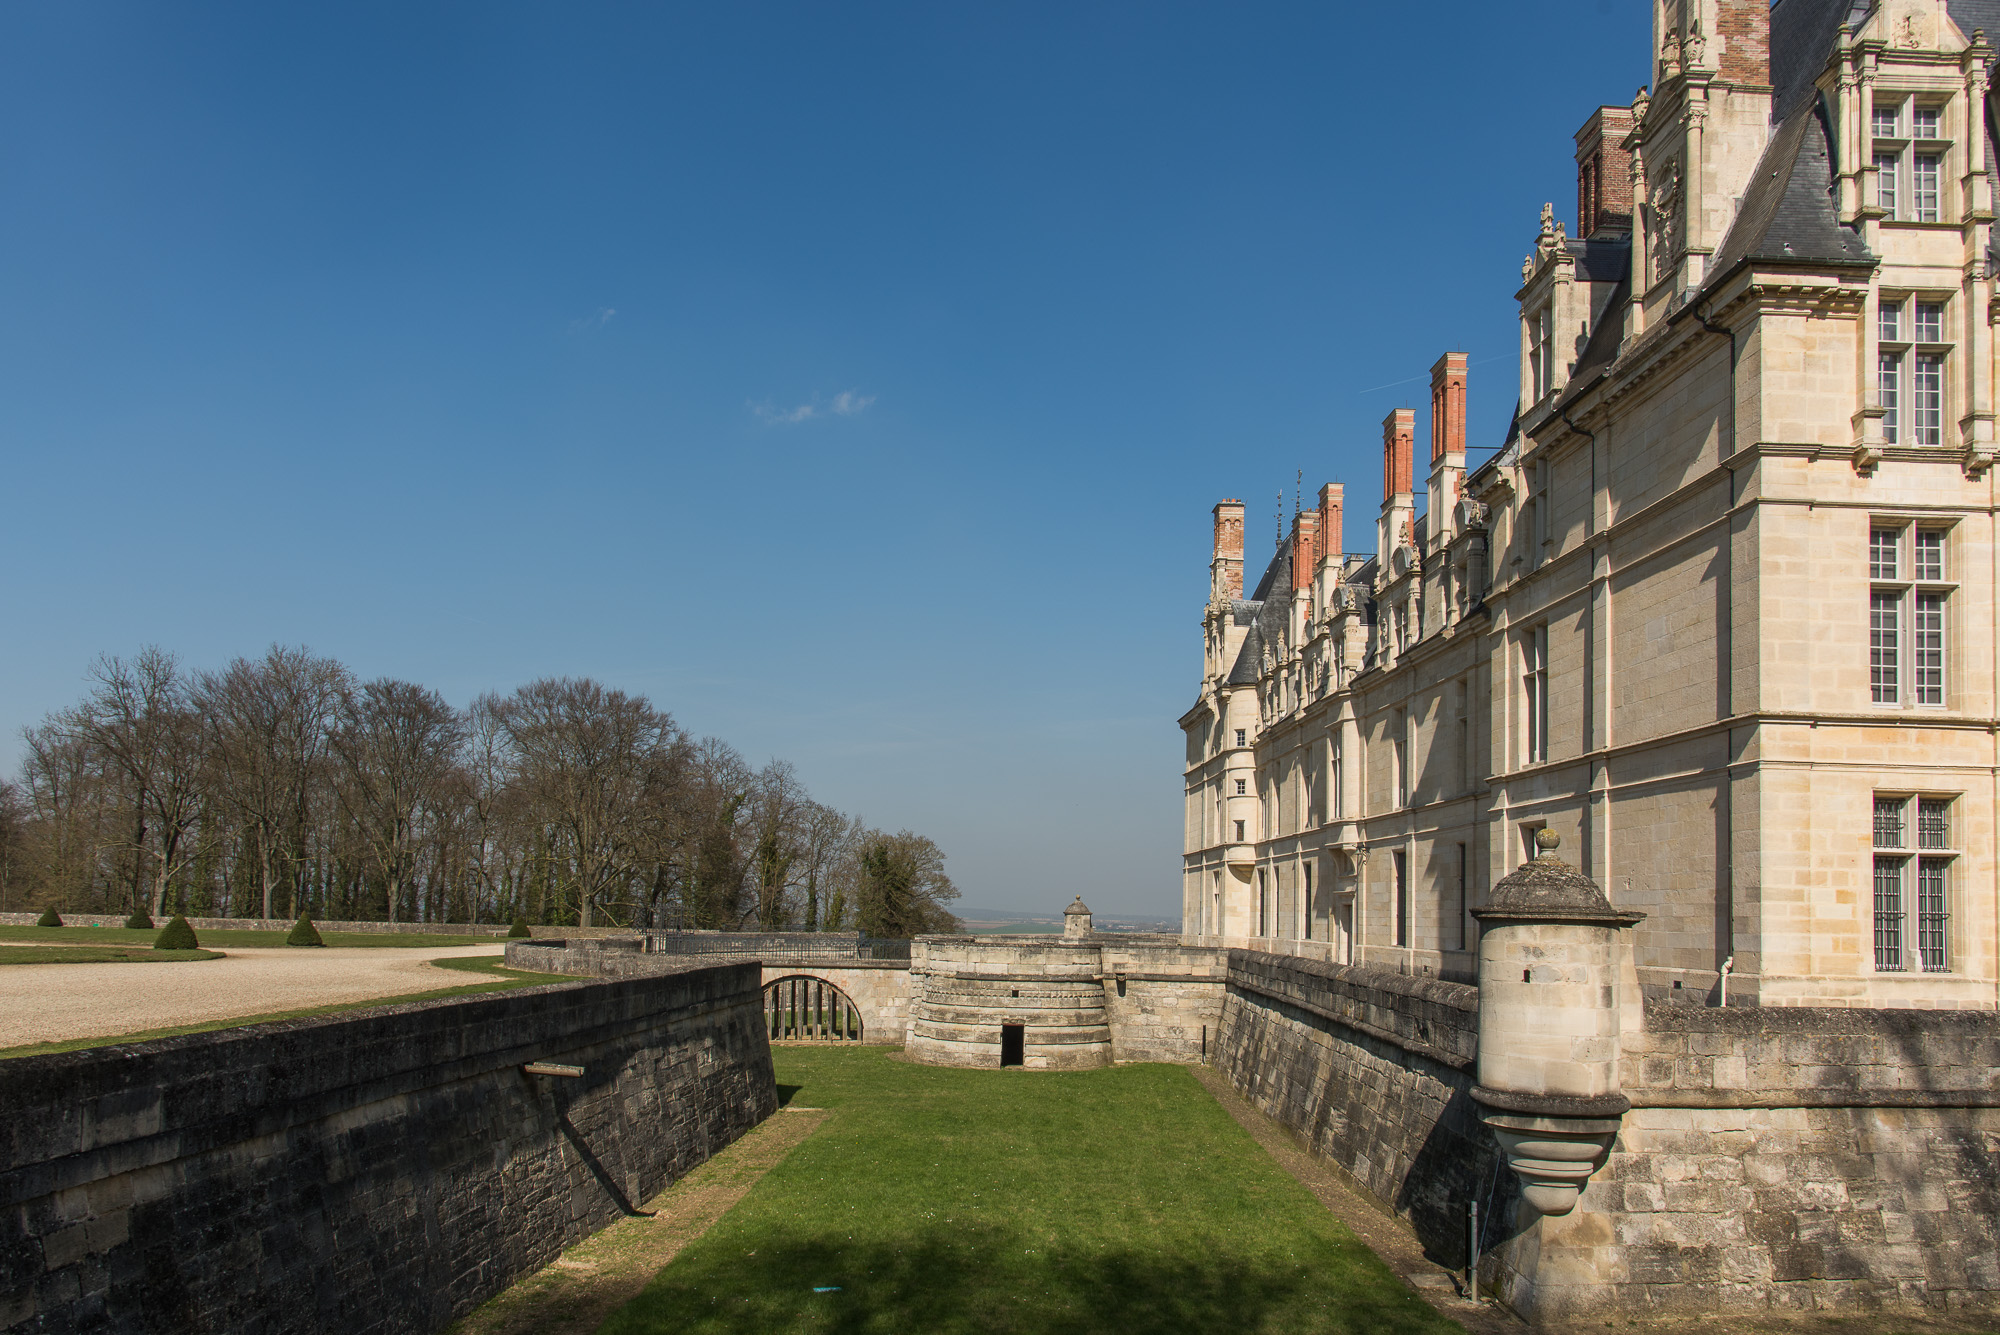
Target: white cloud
[[844, 404], [597, 321]]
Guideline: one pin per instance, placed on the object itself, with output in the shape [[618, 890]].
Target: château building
[[1720, 610]]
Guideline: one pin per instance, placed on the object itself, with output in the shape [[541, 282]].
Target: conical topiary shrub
[[520, 927], [49, 918], [178, 934], [304, 933], [141, 920]]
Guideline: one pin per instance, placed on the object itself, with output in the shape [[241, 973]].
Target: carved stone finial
[[1670, 54], [1693, 46], [1548, 218]]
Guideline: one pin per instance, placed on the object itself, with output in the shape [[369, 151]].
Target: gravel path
[[46, 1003]]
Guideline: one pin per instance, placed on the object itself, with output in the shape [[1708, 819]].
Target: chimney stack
[[1330, 533], [1743, 31], [1225, 569], [1305, 548], [1604, 173], [1399, 434], [1448, 406]]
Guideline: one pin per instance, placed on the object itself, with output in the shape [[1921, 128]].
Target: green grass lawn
[[143, 936], [504, 979], [942, 1200], [99, 955]]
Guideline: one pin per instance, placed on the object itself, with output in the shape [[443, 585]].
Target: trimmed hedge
[[520, 927], [140, 920], [178, 934], [304, 933], [49, 918]]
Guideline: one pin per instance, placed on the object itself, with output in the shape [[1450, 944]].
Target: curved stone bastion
[[968, 990], [1063, 1002]]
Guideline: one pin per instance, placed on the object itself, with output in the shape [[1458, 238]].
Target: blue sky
[[853, 380]]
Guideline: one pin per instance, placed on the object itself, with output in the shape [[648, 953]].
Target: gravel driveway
[[44, 1003]]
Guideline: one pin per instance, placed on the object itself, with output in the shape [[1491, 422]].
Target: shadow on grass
[[994, 1280], [786, 1093]]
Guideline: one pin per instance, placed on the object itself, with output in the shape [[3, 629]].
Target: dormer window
[[1909, 159]]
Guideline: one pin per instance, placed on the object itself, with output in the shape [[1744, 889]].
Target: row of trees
[[282, 785]]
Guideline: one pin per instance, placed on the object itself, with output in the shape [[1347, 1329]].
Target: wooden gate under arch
[[800, 1007]]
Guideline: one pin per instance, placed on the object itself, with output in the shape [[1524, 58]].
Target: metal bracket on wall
[[551, 1068]]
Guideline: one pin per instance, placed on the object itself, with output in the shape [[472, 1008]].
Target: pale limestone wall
[[1801, 1160], [1162, 1001], [879, 989], [1081, 1002], [1825, 1160]]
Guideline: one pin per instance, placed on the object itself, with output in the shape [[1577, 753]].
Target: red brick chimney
[[1305, 548], [1226, 566], [1743, 32], [1399, 434], [1604, 173], [1448, 406], [1330, 532]]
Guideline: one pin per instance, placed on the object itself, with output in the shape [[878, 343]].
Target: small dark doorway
[[1010, 1045]]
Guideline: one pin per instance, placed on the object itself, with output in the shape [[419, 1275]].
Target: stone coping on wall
[[1806, 1057], [1432, 1018], [164, 1099], [553, 956]]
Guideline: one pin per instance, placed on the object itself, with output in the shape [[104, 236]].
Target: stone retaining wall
[[1774, 1159], [1790, 1159], [1374, 1071], [385, 1170]]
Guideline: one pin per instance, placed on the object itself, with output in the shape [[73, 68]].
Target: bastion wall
[[1773, 1158], [1079, 1000], [386, 1170]]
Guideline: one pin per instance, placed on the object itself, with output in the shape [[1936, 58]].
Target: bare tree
[[397, 747], [827, 842], [270, 719], [775, 798], [587, 760]]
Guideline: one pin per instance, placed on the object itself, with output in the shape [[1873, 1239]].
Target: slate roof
[[1788, 208], [1601, 261]]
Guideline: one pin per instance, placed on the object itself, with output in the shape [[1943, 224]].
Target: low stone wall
[[385, 1170], [1374, 1070], [879, 989], [1788, 1159]]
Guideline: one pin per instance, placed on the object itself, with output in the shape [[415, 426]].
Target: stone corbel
[[1866, 458], [1977, 459]]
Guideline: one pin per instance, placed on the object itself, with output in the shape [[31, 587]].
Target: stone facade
[[385, 1170], [1719, 610]]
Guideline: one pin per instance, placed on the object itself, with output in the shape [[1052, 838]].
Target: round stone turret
[[1076, 918], [1548, 1024]]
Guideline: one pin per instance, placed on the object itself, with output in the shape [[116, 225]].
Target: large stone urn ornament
[[1549, 1086]]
